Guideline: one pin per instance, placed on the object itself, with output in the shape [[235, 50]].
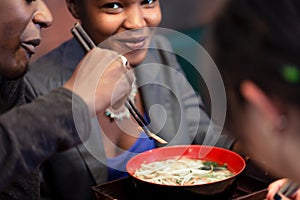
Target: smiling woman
[[179, 15], [164, 96], [107, 18]]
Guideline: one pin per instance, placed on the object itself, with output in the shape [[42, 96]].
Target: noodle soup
[[182, 171], [159, 165]]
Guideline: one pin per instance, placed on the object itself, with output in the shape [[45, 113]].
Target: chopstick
[[135, 110], [289, 188], [87, 43], [142, 123], [83, 37]]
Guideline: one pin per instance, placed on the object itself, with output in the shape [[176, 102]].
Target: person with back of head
[[256, 47], [31, 133]]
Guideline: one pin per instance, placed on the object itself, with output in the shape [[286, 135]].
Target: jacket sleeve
[[31, 133]]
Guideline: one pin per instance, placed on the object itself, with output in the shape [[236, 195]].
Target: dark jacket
[[31, 133]]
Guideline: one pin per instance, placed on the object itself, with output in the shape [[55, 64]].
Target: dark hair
[[259, 40]]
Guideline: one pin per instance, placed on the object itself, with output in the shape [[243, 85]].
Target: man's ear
[[255, 96], [72, 7]]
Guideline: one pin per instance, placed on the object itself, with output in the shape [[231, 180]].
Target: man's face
[[20, 25]]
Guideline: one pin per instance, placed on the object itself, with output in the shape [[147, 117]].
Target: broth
[[183, 171]]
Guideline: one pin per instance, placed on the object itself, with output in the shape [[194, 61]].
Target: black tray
[[250, 185], [245, 188]]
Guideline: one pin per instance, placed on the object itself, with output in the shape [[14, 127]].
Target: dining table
[[251, 184]]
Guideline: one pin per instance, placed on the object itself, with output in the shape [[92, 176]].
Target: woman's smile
[[133, 43]]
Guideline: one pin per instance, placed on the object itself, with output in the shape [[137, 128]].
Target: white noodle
[[182, 171]]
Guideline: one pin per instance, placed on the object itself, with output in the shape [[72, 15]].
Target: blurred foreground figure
[[256, 47]]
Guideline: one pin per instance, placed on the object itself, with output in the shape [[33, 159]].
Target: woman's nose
[[134, 19], [43, 16]]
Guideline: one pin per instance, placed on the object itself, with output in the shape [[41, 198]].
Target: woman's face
[[105, 18], [20, 26]]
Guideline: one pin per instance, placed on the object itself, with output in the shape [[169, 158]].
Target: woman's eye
[[29, 1], [112, 5], [148, 3], [113, 8]]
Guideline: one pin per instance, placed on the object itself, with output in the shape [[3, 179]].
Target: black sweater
[[31, 133]]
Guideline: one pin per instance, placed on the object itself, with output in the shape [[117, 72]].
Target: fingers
[[101, 79], [297, 195], [129, 78], [125, 61], [274, 187], [116, 83], [129, 73]]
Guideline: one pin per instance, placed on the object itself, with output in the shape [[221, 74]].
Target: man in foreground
[[31, 133]]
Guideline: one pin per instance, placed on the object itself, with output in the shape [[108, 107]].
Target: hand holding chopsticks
[[88, 44], [289, 188]]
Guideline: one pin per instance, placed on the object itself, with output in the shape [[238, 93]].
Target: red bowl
[[235, 164]]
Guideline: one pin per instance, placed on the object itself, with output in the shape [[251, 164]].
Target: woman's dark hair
[[259, 40]]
